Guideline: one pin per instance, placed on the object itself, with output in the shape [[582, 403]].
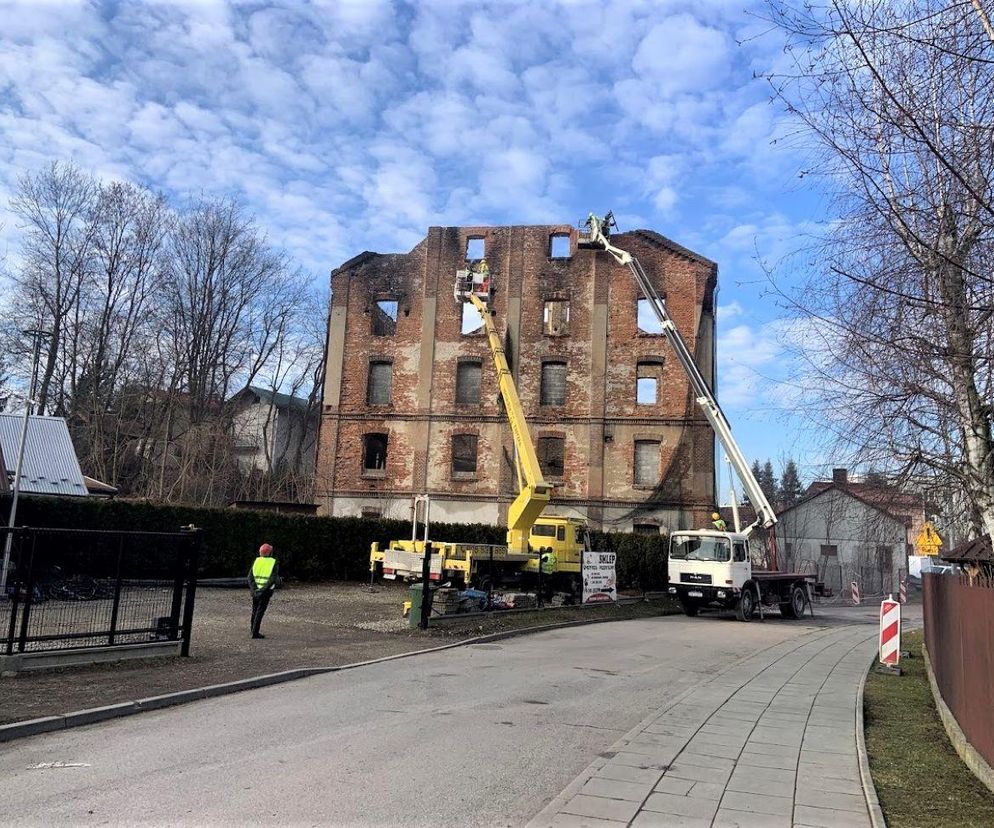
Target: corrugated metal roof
[[50, 463]]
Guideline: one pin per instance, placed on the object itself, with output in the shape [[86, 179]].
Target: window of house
[[646, 462], [648, 322], [471, 321], [647, 383], [829, 551], [374, 454], [551, 452], [371, 514], [380, 383], [559, 246], [468, 382], [385, 317], [884, 558], [555, 317], [645, 529], [553, 390], [475, 249], [464, 453]]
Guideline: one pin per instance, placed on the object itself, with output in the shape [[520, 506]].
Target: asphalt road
[[478, 735]]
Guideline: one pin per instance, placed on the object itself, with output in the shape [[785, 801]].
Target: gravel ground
[[313, 625]]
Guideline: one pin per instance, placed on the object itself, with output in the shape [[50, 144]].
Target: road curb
[[79, 718], [869, 789]]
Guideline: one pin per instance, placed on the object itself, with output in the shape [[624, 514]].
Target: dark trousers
[[260, 601]]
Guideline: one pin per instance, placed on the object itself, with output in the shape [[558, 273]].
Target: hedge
[[309, 548]]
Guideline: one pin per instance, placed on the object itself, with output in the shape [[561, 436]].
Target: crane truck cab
[[711, 569]]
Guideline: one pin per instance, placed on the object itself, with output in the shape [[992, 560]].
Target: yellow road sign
[[928, 540]]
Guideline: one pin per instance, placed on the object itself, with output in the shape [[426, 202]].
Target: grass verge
[[920, 779], [503, 622]]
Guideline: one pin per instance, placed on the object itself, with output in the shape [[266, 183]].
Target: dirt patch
[[314, 625]]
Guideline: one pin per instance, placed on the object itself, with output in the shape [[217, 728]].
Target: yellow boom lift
[[553, 543]]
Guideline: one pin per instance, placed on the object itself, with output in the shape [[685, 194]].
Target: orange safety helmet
[[265, 549]]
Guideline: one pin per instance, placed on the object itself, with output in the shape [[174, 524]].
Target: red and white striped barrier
[[855, 593], [890, 632], [903, 594]]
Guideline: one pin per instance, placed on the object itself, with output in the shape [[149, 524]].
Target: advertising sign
[[600, 583]]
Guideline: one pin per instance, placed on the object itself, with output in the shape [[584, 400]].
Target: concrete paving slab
[[627, 773], [707, 790], [728, 818], [855, 802], [829, 818], [651, 819], [680, 805], [616, 789], [596, 806], [697, 773], [573, 821], [765, 760], [758, 803], [677, 786]]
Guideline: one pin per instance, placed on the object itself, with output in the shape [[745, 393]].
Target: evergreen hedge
[[309, 548]]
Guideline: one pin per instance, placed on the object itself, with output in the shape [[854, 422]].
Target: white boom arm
[[598, 240]]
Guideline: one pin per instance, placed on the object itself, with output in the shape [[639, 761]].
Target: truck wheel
[[795, 607], [690, 609], [746, 605]]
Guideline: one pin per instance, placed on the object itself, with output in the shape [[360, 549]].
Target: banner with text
[[600, 582]]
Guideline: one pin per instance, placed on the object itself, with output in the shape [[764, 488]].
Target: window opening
[[555, 317], [371, 514], [645, 529], [543, 530], [648, 322], [464, 453], [380, 383], [374, 453], [559, 246], [739, 550], [468, 383], [694, 548], [550, 452], [385, 317], [553, 390], [475, 249], [560, 533], [471, 321], [646, 462]]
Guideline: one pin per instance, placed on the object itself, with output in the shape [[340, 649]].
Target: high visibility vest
[[720, 525], [262, 569], [548, 563]]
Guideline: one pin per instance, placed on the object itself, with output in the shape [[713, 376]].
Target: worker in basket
[[718, 523]]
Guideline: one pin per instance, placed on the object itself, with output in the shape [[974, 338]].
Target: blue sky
[[355, 125]]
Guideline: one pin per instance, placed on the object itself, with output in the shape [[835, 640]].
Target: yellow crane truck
[[551, 544]]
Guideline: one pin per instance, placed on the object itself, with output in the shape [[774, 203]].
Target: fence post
[[193, 560], [117, 591], [28, 595], [15, 600], [426, 587], [177, 606]]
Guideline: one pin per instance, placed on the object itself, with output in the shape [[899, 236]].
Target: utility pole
[[29, 403]]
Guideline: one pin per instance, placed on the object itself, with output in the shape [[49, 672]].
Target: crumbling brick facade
[[641, 459]]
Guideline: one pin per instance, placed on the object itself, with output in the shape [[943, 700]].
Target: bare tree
[[898, 99], [54, 207]]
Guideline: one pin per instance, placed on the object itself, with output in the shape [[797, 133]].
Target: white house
[[274, 432], [844, 537]]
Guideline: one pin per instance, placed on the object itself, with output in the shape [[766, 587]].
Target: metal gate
[[72, 588]]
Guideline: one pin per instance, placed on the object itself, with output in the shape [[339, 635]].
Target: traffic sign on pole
[[890, 632]]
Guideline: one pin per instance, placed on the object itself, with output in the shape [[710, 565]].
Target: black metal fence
[[68, 588]]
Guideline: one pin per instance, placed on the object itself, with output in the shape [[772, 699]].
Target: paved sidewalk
[[771, 741]]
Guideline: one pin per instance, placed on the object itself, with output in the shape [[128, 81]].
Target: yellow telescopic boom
[[534, 494]]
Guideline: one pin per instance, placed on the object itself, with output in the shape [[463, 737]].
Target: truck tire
[[794, 608], [689, 608], [746, 604]]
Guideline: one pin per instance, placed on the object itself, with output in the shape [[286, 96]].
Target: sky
[[355, 125]]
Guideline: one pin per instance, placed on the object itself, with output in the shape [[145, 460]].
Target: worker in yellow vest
[[262, 579]]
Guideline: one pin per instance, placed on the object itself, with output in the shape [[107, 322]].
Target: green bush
[[309, 548]]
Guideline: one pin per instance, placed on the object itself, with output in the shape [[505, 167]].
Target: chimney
[[840, 477]]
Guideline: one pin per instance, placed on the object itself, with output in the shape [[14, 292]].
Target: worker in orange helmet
[[263, 578]]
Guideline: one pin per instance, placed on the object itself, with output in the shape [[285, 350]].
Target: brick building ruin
[[411, 403]]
